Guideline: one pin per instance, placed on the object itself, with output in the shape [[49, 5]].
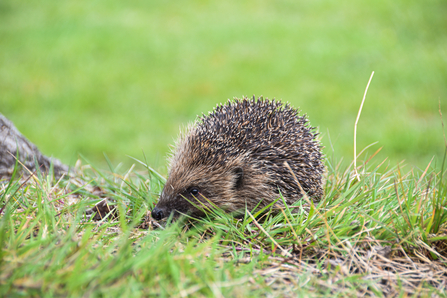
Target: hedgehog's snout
[[158, 213]]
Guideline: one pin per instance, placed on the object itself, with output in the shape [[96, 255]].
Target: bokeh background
[[121, 77]]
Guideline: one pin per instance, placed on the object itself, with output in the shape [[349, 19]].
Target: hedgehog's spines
[[247, 140]]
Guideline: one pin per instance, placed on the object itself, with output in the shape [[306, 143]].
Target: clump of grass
[[383, 235], [50, 248]]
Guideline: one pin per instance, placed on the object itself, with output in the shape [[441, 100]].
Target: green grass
[[121, 77], [50, 247]]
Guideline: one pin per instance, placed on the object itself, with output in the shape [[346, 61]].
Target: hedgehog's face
[[197, 188], [179, 201]]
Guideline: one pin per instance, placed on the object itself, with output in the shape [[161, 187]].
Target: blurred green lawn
[[121, 77]]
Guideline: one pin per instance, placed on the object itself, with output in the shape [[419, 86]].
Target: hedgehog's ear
[[239, 178]]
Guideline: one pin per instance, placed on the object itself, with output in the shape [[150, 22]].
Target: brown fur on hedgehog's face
[[191, 185], [195, 181]]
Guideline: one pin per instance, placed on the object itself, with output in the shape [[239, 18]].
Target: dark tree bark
[[13, 142]]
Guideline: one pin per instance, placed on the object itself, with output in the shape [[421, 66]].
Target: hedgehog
[[244, 154]]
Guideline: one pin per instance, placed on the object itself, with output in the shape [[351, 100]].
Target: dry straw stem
[[442, 122], [355, 127], [268, 235], [305, 197]]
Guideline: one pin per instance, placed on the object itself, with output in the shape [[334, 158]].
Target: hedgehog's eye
[[194, 191]]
